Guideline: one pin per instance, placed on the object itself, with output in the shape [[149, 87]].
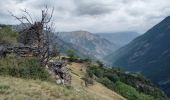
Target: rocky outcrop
[[61, 72], [19, 50]]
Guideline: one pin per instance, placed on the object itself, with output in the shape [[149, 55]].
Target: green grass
[[131, 93], [20, 89], [25, 79], [27, 68], [4, 89], [7, 35], [128, 85]]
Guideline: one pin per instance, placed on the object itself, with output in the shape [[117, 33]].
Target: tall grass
[[7, 35], [28, 68]]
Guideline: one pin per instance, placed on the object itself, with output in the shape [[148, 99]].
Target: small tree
[[100, 63], [72, 55]]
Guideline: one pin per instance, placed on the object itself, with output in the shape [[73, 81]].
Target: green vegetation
[[108, 83], [27, 68], [154, 46], [12, 88], [131, 93], [130, 85], [7, 36], [4, 89], [72, 55]]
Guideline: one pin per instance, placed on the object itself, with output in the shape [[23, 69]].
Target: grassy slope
[[78, 71], [21, 89]]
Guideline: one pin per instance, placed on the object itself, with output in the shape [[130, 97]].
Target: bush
[[72, 55], [126, 84], [100, 64], [96, 71], [105, 81], [131, 93], [112, 76], [88, 80], [28, 68]]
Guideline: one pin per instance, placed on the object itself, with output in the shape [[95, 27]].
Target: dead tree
[[36, 34]]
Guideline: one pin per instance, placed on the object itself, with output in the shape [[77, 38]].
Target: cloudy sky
[[92, 15]]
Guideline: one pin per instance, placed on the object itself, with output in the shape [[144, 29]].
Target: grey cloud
[[93, 15], [92, 8]]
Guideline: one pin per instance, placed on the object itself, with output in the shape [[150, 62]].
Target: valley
[[147, 54]]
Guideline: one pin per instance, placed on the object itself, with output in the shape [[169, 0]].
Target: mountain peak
[[92, 43], [167, 18], [82, 33]]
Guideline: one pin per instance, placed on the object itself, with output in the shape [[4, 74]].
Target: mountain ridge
[[95, 46], [150, 51]]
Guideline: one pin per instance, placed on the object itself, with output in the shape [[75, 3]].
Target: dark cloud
[[92, 8], [20, 1]]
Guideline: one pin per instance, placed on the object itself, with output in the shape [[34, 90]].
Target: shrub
[[100, 64], [112, 76], [72, 55], [131, 93], [28, 68], [4, 89], [95, 70], [105, 81], [88, 80]]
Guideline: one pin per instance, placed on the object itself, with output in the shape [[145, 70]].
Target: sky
[[97, 16]]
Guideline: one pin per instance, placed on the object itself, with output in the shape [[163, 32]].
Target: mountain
[[120, 38], [61, 45], [28, 79], [25, 78], [93, 45], [148, 54], [84, 43]]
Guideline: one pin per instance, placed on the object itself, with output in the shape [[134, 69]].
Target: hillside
[[17, 83], [88, 43], [148, 54], [78, 71], [24, 78], [15, 88], [20, 89], [63, 47]]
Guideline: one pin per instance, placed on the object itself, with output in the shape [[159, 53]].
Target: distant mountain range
[[86, 44], [148, 54], [119, 38], [91, 44]]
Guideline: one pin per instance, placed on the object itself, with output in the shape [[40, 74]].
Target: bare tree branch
[[19, 19], [28, 15]]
